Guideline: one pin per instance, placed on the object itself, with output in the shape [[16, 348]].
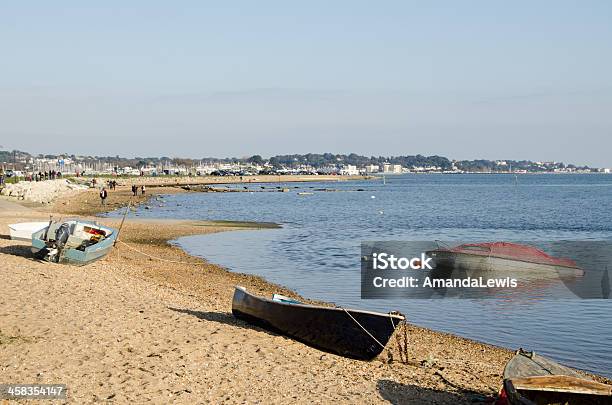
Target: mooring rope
[[402, 349], [364, 329], [155, 257]]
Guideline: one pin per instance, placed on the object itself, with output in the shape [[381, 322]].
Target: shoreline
[[272, 287], [193, 298]]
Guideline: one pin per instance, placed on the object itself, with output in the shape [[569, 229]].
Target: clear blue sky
[[465, 79]]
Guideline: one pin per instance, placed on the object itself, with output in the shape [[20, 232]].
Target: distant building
[[149, 170], [349, 170], [372, 168], [203, 170], [389, 168], [329, 169]]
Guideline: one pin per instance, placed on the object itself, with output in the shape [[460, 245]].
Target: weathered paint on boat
[[532, 379]]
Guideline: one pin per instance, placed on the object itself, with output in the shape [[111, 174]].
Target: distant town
[[21, 164]]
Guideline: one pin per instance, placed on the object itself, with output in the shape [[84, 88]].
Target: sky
[[466, 80]]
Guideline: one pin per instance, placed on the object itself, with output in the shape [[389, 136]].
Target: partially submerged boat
[[73, 242], [503, 257], [530, 379], [351, 333], [24, 230]]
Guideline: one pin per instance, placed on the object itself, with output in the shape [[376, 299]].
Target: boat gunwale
[[595, 388], [112, 231], [397, 316]]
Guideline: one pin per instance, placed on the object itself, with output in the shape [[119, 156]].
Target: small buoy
[[373, 196]]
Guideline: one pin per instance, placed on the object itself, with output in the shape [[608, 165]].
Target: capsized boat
[[351, 333], [73, 242], [503, 257], [24, 230], [531, 379]]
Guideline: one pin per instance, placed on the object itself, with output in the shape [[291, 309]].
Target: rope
[[364, 329], [401, 349], [155, 257]]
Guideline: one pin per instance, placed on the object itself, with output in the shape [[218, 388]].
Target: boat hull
[[329, 329], [23, 231], [533, 379], [72, 255], [487, 264]]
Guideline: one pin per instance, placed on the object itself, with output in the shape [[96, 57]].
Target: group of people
[[135, 189], [41, 176], [112, 185]]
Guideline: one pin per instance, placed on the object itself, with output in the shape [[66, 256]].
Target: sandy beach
[[132, 329]]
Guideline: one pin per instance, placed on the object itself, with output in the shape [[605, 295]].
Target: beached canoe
[[531, 379], [351, 333], [24, 230], [503, 257], [73, 242]]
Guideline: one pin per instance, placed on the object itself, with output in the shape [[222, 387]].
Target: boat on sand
[[350, 333], [503, 257], [24, 230], [530, 379], [73, 242]]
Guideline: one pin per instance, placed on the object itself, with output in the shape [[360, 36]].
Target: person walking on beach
[[134, 190], [143, 189], [103, 195]]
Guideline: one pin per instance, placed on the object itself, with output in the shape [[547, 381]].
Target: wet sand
[[133, 329]]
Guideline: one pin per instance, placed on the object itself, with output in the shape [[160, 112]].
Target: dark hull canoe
[[532, 379], [333, 330]]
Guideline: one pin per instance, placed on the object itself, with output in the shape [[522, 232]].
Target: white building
[[204, 170], [372, 168], [389, 168], [349, 170], [328, 169]]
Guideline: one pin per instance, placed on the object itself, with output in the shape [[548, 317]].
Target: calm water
[[316, 252]]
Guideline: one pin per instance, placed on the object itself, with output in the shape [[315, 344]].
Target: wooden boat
[[503, 257], [73, 242], [530, 379], [24, 230], [347, 332]]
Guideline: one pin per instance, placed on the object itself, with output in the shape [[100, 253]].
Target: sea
[[316, 252]]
